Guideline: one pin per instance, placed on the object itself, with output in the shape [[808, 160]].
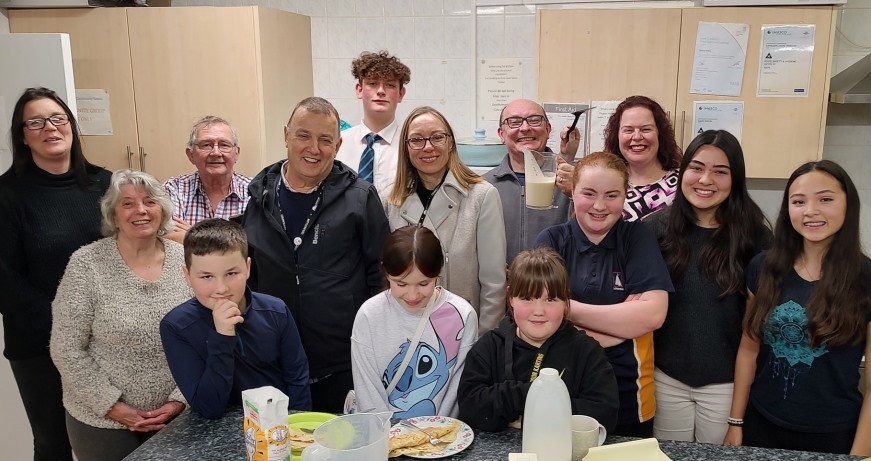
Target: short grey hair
[[133, 178], [317, 105], [208, 121]]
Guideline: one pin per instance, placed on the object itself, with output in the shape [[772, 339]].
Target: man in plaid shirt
[[214, 190]]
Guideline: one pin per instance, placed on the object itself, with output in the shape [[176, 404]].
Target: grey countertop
[[191, 437]]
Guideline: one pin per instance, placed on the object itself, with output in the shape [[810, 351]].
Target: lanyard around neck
[[431, 197], [297, 241], [509, 358]]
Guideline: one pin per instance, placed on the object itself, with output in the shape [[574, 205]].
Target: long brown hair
[[668, 154], [743, 227], [839, 302], [406, 174]]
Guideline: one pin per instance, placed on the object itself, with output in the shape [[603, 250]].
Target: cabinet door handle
[[142, 155], [683, 119], [129, 158]]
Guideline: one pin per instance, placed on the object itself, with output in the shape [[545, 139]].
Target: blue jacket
[[212, 369]]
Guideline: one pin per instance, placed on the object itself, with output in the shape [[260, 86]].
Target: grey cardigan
[[105, 340]]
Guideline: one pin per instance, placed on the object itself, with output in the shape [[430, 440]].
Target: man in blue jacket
[[315, 233]]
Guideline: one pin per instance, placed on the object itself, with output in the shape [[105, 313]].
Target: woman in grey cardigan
[[435, 189], [117, 387]]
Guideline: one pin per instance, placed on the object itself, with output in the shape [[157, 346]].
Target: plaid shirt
[[191, 203]]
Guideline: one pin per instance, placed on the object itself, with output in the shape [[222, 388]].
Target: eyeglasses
[[208, 146], [39, 122], [532, 120], [437, 140]]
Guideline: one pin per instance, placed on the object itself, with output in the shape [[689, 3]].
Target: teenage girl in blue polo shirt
[[807, 325], [708, 236], [619, 283]]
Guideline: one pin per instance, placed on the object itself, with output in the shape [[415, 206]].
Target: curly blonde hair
[[380, 65]]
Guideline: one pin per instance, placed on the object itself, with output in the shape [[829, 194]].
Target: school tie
[[366, 171]]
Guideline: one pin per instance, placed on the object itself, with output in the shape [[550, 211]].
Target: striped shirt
[[191, 203]]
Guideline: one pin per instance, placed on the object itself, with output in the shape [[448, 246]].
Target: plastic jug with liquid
[[547, 418]]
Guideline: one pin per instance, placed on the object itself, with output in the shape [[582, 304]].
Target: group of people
[[215, 282]]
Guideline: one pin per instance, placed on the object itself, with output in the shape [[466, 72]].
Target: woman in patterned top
[[640, 133]]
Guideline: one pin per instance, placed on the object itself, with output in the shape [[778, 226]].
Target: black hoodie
[[489, 399], [335, 269]]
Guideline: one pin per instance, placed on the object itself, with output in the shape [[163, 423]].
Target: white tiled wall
[[435, 38], [848, 126]]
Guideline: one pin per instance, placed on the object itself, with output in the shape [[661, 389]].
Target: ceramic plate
[[306, 421], [463, 440]]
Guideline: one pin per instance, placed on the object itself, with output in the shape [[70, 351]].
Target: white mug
[[586, 433]]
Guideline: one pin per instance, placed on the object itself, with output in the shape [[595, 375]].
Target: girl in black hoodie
[[501, 366]]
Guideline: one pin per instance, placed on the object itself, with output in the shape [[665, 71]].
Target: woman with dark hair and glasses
[[49, 207], [435, 189], [707, 237], [640, 133]]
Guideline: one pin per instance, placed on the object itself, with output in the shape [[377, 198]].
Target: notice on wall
[[718, 115], [785, 59], [599, 116], [500, 81], [93, 112], [718, 65], [561, 115]]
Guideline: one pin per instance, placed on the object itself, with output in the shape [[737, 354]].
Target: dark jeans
[[760, 432], [39, 385], [643, 430], [95, 444], [328, 394]]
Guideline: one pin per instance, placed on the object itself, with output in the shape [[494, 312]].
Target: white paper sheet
[[599, 115], [500, 81], [560, 116], [93, 112], [718, 66], [718, 115], [785, 57]]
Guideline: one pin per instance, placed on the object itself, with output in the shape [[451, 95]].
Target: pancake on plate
[[299, 439], [416, 443]]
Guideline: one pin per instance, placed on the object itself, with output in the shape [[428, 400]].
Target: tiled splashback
[[435, 38]]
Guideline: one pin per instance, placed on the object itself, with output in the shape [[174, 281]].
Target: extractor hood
[[853, 84]]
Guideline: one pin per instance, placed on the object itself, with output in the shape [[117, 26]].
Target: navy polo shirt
[[627, 261]]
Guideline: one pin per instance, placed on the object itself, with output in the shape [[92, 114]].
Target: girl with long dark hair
[[707, 237], [807, 324]]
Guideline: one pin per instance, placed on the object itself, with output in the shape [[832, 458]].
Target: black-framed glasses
[[38, 123], [208, 146], [437, 140], [516, 122]]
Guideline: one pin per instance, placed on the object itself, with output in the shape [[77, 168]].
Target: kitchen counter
[[191, 437]]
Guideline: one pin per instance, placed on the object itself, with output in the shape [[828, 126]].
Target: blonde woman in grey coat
[[434, 188]]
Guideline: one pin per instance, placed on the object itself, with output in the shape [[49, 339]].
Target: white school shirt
[[386, 153]]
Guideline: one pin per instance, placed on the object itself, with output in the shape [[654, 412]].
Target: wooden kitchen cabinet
[[597, 54], [166, 67], [600, 54], [779, 134]]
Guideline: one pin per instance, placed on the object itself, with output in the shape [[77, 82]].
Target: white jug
[[356, 437], [547, 418]]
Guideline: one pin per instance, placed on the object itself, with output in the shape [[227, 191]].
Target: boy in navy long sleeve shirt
[[228, 338]]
